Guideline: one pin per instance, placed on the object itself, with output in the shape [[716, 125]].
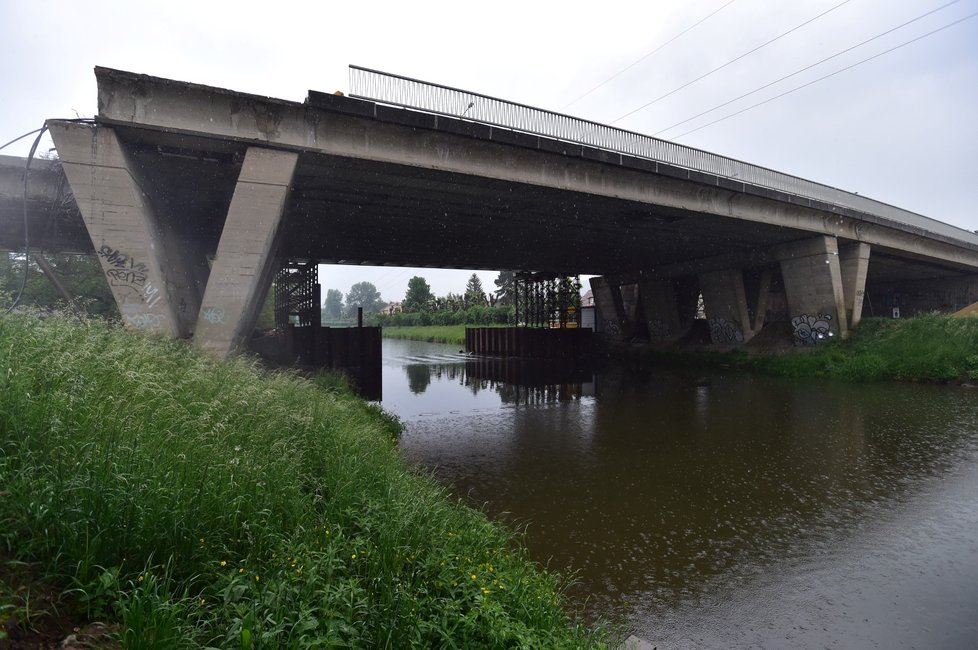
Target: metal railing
[[444, 100]]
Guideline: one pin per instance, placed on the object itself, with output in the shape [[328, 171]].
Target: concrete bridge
[[193, 196]]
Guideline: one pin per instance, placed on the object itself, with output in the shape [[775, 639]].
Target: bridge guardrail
[[444, 100]]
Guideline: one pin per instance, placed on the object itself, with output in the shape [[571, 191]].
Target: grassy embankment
[[932, 347], [928, 348], [454, 334], [198, 504]]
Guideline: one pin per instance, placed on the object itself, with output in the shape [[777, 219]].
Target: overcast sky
[[901, 128]]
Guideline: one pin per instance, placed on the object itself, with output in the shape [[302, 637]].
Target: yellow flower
[[353, 557], [140, 577], [202, 601], [257, 578], [241, 570], [472, 576], [224, 563]]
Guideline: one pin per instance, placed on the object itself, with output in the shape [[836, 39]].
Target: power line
[[732, 61], [645, 56], [808, 67], [814, 81]]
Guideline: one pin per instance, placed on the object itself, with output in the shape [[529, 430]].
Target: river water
[[716, 509]]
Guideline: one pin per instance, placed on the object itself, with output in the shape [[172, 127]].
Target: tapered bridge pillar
[[813, 287], [725, 302], [244, 264], [158, 275]]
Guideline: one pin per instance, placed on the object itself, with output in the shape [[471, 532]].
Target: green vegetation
[[932, 347], [478, 316], [454, 334], [200, 504]]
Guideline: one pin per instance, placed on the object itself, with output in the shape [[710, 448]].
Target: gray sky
[[901, 128]]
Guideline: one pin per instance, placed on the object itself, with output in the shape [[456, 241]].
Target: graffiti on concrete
[[811, 329], [659, 329], [126, 274], [144, 321], [723, 331], [213, 315]]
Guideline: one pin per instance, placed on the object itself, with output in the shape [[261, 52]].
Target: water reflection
[[674, 495]]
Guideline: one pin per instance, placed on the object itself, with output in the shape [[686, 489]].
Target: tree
[[333, 307], [505, 287], [474, 295], [81, 275], [418, 296], [363, 294]]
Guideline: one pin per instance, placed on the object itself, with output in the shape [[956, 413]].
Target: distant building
[[587, 300], [392, 308]]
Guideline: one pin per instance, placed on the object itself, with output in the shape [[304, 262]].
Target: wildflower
[[202, 601], [257, 578], [353, 557], [141, 577], [224, 563], [472, 576], [241, 570]]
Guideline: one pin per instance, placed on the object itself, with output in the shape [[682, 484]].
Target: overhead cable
[[814, 81], [808, 67], [645, 56], [730, 62]]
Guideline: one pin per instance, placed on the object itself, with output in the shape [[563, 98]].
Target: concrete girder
[[177, 107], [244, 264]]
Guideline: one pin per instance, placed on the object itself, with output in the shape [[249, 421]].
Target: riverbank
[[453, 334], [187, 503], [931, 348]]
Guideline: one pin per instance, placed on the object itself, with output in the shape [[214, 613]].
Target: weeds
[[204, 504]]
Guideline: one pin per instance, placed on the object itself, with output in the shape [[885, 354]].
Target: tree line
[[421, 307]]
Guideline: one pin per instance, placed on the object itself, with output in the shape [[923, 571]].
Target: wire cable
[[814, 81], [21, 137], [645, 56], [808, 67], [27, 241], [730, 62]]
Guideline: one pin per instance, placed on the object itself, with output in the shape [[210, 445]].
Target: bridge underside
[[190, 196]]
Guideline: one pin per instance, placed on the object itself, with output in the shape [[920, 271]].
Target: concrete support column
[[726, 307], [607, 301], [244, 264], [854, 263], [813, 286], [661, 310], [120, 220]]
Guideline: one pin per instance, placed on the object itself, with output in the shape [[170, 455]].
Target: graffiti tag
[[723, 331], [810, 329], [213, 314], [128, 274], [144, 321]]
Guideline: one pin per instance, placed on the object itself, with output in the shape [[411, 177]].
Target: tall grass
[[204, 504], [931, 347]]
